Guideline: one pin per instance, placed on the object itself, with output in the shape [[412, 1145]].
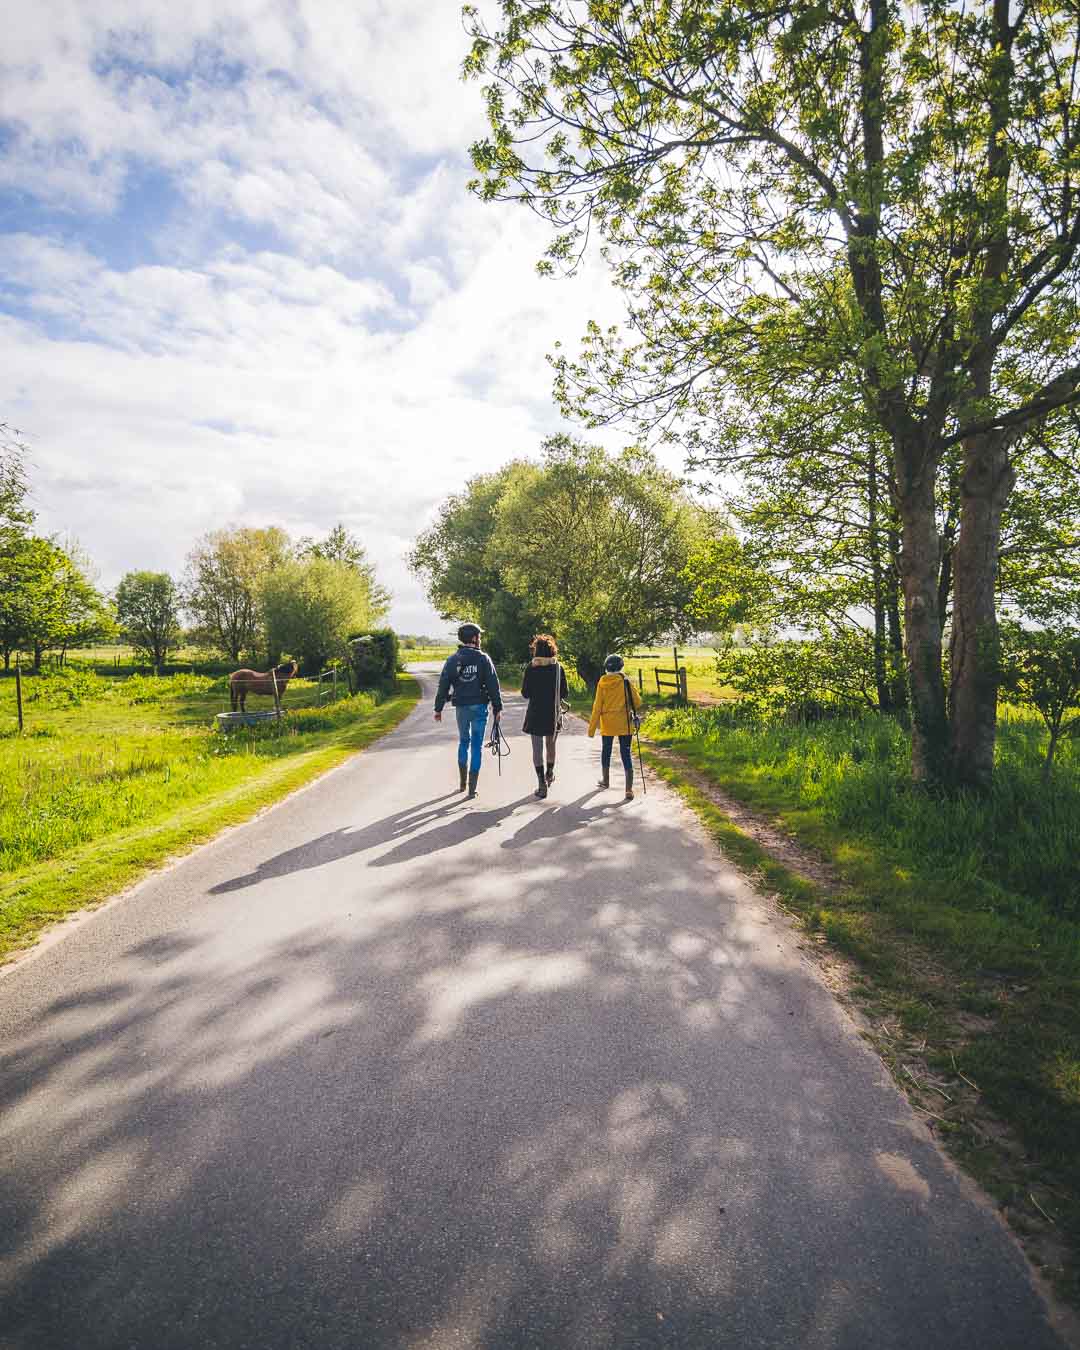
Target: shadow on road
[[469, 820], [489, 1112]]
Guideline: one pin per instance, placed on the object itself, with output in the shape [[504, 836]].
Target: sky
[[242, 281]]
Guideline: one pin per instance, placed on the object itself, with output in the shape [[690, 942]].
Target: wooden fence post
[[18, 690]]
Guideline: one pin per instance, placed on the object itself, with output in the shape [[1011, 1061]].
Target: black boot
[[605, 778], [541, 785], [550, 775], [629, 786], [472, 784], [463, 774]]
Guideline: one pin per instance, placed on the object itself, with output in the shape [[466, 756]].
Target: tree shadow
[[508, 1112]]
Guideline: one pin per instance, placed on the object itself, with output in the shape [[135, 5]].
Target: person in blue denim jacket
[[469, 681]]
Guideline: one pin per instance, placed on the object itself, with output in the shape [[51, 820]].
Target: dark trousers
[[606, 743]]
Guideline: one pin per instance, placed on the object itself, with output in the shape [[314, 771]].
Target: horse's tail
[[232, 695]]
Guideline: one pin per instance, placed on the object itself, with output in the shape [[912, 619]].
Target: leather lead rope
[[498, 745]]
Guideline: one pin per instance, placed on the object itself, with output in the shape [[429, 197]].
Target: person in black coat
[[545, 687]]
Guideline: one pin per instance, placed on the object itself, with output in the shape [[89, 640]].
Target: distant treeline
[[245, 593]]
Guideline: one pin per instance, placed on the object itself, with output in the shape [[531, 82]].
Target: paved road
[[386, 1069]]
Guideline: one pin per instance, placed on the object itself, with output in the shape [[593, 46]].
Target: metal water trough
[[225, 720]]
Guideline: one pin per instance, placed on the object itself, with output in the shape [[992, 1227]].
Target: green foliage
[[1041, 669], [221, 585], [455, 560], [599, 545], [45, 600], [147, 610], [342, 547], [802, 680], [727, 586], [68, 687], [593, 547], [14, 512], [311, 605], [1039, 558], [839, 241], [374, 658]]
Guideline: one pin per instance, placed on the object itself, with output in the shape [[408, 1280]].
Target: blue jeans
[[624, 752], [471, 723]]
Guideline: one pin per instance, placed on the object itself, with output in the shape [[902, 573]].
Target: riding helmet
[[468, 631], [613, 663]]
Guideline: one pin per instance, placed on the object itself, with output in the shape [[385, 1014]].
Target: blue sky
[[241, 281]]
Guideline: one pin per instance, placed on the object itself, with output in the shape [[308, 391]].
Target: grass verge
[[964, 971], [84, 813]]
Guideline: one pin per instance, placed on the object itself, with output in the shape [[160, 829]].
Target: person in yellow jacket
[[614, 710]]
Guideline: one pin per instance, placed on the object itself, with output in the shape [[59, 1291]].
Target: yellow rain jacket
[[609, 706]]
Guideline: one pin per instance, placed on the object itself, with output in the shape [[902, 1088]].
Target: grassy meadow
[[114, 773], [410, 654], [701, 681], [962, 918]]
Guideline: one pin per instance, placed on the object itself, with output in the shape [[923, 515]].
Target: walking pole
[[633, 720]]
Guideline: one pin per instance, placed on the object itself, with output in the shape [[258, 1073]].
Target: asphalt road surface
[[384, 1068]]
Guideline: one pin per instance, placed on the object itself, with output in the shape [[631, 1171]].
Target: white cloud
[[387, 340]]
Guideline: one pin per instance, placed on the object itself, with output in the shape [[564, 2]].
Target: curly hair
[[543, 644]]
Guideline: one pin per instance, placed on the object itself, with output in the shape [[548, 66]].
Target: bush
[[801, 680], [66, 687], [373, 658]]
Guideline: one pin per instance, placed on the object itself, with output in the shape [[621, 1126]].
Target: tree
[[464, 580], [221, 584], [147, 609], [342, 547], [1042, 669], [14, 513], [84, 615], [887, 188], [596, 547], [311, 606], [30, 569], [599, 545]]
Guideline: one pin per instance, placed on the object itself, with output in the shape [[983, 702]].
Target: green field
[[410, 654], [962, 916], [700, 663], [113, 774]]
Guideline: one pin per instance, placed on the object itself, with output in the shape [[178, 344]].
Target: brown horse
[[244, 682]]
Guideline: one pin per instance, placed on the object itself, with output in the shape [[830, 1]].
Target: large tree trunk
[[590, 670], [877, 571], [919, 561], [985, 485], [898, 698], [987, 477]]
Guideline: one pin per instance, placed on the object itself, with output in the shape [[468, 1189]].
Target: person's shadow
[[340, 843], [466, 826], [559, 820], [343, 843]]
